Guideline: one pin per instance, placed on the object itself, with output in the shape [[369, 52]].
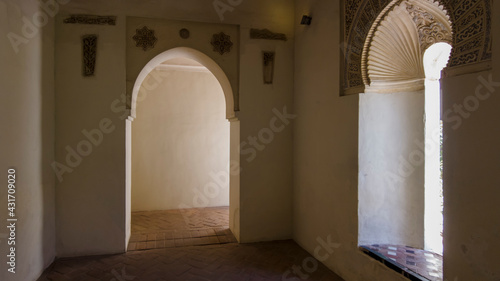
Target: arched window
[[398, 114], [435, 59]]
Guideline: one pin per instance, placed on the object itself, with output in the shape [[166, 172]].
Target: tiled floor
[[224, 262], [196, 218], [424, 263], [178, 228], [180, 235]]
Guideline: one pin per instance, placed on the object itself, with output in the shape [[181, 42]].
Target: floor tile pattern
[[180, 219], [179, 228], [225, 262], [424, 263], [191, 245]]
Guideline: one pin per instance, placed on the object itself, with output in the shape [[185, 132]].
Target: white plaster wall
[[266, 167], [326, 149], [391, 169], [128, 181], [27, 138], [180, 143], [471, 179], [91, 200]]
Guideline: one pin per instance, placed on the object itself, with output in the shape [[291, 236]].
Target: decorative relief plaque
[[89, 43], [268, 67], [266, 34], [221, 43], [145, 38], [91, 19]]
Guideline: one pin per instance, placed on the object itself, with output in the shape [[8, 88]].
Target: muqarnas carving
[[471, 37], [393, 53], [430, 30], [268, 65], [91, 19], [145, 38], [266, 34], [89, 43], [221, 43]]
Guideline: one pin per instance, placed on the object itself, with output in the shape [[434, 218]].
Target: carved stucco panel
[[471, 32]]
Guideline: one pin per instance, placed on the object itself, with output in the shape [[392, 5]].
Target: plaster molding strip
[[91, 19], [266, 34], [467, 69]]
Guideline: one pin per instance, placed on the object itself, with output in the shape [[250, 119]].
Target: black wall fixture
[[306, 20]]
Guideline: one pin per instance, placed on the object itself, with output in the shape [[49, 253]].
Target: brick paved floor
[[224, 262], [180, 219], [195, 255], [178, 228]]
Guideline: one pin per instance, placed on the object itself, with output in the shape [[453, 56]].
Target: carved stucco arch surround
[[471, 26], [392, 57], [189, 53]]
